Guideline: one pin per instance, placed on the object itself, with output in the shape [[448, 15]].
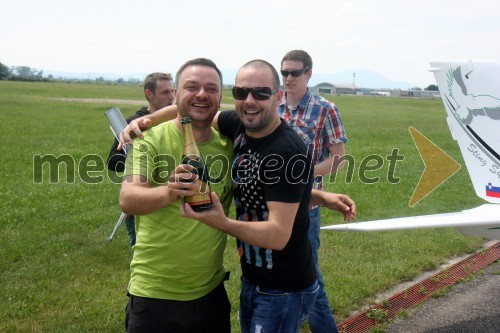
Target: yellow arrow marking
[[439, 166]]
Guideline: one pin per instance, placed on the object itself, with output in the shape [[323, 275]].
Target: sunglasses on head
[[258, 93], [294, 73]]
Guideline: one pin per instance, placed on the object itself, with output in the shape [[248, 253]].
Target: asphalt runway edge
[[388, 309]]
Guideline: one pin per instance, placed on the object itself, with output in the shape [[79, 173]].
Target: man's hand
[[213, 217], [139, 197], [341, 203], [132, 130], [182, 182]]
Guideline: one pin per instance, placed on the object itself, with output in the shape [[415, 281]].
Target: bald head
[[259, 64]]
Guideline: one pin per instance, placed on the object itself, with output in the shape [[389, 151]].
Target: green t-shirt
[[174, 257]]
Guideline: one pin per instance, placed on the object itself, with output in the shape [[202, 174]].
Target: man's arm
[[137, 197], [271, 234], [333, 134], [341, 203], [136, 127], [333, 163]]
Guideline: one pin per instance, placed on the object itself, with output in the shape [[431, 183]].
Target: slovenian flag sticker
[[492, 191]]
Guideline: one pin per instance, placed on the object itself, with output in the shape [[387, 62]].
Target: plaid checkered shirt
[[318, 122]]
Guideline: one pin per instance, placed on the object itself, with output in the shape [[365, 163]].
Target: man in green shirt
[[177, 271]]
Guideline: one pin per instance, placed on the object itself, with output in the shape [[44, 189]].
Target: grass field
[[58, 273]]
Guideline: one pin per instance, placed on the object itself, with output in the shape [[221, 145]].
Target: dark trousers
[[130, 224], [208, 314]]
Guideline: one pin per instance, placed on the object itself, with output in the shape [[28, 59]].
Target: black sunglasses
[[258, 93], [294, 73]]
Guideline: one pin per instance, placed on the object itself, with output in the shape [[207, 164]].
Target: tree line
[[26, 73], [20, 73]]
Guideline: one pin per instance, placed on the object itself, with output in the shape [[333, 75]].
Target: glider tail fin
[[470, 90]]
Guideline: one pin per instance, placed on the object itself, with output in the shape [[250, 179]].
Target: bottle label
[[201, 195], [201, 198]]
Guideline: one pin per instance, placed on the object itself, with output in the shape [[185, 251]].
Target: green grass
[[59, 274]]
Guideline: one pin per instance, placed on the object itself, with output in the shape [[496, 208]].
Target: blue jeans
[[271, 310], [320, 318]]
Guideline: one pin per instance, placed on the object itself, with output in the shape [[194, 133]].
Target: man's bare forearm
[[138, 198], [162, 115]]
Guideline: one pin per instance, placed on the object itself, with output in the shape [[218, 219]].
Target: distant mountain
[[364, 78]]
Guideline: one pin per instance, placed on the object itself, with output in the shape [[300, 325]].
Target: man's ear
[[148, 94], [220, 101], [309, 74]]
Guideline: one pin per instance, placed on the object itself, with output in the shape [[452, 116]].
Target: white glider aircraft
[[470, 90]]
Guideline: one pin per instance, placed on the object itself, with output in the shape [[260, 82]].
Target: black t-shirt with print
[[273, 168]]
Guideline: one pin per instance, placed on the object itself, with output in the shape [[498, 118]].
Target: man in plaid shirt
[[318, 122]]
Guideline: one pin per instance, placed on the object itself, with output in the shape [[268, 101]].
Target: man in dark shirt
[[159, 92], [272, 176]]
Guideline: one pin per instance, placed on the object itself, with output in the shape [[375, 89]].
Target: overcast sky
[[395, 38]]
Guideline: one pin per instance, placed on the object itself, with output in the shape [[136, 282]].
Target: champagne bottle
[[191, 155]]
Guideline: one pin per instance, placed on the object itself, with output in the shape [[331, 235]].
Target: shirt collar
[[303, 102]]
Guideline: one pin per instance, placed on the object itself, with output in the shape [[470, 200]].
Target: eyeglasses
[[258, 93], [295, 73]]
